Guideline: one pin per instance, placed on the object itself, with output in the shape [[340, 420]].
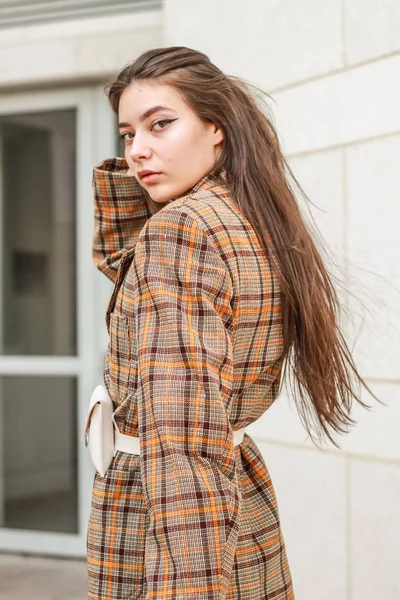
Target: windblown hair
[[325, 379]]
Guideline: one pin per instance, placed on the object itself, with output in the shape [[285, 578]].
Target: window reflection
[[37, 235]]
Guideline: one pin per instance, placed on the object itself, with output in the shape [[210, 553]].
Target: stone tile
[[375, 527], [339, 109], [371, 28], [376, 433], [280, 423], [268, 43], [47, 60], [321, 177], [311, 492], [373, 181], [73, 49]]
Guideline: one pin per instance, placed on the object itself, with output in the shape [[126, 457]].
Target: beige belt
[[130, 444]]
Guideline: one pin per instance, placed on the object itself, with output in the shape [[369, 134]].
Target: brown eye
[[126, 136], [163, 123]]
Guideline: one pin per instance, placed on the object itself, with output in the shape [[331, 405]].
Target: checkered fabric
[[195, 352]]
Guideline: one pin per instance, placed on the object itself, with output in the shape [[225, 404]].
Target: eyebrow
[[147, 114]]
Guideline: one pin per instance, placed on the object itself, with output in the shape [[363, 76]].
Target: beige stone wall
[[332, 68], [84, 50]]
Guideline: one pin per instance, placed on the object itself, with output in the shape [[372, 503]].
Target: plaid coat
[[195, 352]]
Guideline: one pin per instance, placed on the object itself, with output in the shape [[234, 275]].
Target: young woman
[[218, 283]]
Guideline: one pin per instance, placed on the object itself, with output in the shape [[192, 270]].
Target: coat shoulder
[[209, 211]]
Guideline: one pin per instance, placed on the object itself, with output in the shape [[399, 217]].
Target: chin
[[160, 198], [160, 201], [167, 195]]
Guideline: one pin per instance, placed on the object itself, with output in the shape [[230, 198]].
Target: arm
[[120, 212], [185, 382]]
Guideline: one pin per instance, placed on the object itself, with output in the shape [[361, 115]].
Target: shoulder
[[183, 233], [175, 245], [204, 212], [177, 224]]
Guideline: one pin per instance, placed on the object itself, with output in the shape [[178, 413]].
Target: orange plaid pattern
[[195, 352]]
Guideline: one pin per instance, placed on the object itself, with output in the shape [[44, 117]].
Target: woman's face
[[162, 134]]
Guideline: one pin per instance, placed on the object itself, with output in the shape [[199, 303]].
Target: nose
[[139, 149]]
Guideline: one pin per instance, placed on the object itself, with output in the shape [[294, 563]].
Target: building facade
[[331, 68]]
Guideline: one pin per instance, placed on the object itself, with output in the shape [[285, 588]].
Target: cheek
[[182, 143]]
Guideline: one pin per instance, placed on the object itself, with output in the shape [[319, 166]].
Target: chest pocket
[[121, 360]]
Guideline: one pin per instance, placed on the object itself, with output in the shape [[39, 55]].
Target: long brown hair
[[325, 379]]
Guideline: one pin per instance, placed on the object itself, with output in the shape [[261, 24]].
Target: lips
[[147, 176]]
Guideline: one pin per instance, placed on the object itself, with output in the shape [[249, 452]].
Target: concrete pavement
[[34, 578]]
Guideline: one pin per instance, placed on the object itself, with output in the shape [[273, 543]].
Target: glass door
[[52, 332]]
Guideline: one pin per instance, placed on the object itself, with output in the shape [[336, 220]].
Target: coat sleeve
[[120, 212], [185, 379]]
